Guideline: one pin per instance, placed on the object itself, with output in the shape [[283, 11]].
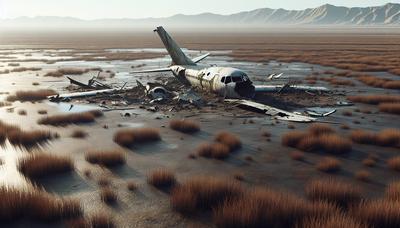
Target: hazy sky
[[91, 9]]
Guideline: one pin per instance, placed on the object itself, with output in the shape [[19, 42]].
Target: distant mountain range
[[386, 15]]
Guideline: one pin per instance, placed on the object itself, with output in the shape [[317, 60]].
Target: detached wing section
[[278, 88], [167, 69], [198, 59], [271, 111]]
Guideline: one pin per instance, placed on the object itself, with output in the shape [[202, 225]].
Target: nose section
[[245, 89]]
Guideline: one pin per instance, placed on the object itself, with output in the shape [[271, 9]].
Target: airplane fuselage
[[224, 81]]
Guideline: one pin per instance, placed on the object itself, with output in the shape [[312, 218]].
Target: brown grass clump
[[375, 99], [108, 196], [378, 213], [39, 165], [161, 178], [185, 126], [393, 191], [318, 129], [22, 112], [42, 112], [329, 165], [393, 108], [394, 163], [22, 69], [297, 155], [293, 138], [104, 181], [31, 95], [203, 193], [131, 185], [337, 220], [28, 139], [229, 139], [67, 119], [36, 204], [214, 150], [363, 175], [334, 191], [369, 162], [345, 127], [101, 220], [106, 158], [267, 208], [66, 71], [79, 134], [130, 137], [387, 137], [347, 113]]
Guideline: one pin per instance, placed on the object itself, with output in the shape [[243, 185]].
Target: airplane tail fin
[[176, 53]]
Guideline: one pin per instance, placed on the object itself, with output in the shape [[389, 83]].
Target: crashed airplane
[[230, 83]]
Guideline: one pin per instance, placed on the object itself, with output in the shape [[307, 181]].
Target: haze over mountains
[[325, 15]]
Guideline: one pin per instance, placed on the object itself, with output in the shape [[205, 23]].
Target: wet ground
[[149, 207]]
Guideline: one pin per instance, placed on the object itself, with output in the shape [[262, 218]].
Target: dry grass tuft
[[215, 150], [293, 138], [106, 158], [375, 99], [203, 193], [40, 165], [343, 194], [22, 112], [104, 181], [66, 71], [297, 155], [36, 204], [363, 175], [329, 165], [337, 220], [67, 119], [101, 220], [108, 196], [79, 134], [369, 162], [393, 191], [386, 137], [318, 129], [185, 126], [267, 208], [378, 213], [393, 108], [394, 163], [42, 112], [347, 113], [37, 95], [161, 178], [131, 185], [130, 137], [229, 139]]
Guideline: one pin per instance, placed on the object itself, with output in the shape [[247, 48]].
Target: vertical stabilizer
[[176, 53]]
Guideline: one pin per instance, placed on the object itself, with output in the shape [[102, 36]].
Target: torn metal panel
[[268, 110], [69, 96], [92, 84], [319, 112]]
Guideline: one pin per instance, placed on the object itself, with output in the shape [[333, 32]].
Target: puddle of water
[[9, 174], [73, 108]]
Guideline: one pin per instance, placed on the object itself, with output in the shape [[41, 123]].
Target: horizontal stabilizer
[[198, 59]]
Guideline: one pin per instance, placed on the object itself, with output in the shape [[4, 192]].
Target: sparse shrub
[[329, 165], [66, 71], [375, 99], [161, 178], [42, 112], [394, 163], [22, 112], [334, 191], [369, 162], [185, 126], [387, 137], [345, 127], [363, 175], [31, 95], [347, 113], [130, 137], [104, 181], [238, 176], [106, 158], [29, 139], [318, 129], [214, 150], [203, 193], [293, 138], [363, 137], [393, 191], [229, 139], [108, 196], [266, 134], [39, 165], [64, 120]]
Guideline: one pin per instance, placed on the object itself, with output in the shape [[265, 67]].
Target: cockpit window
[[223, 79]]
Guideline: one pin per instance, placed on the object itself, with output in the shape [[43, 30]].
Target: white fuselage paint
[[219, 80]]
